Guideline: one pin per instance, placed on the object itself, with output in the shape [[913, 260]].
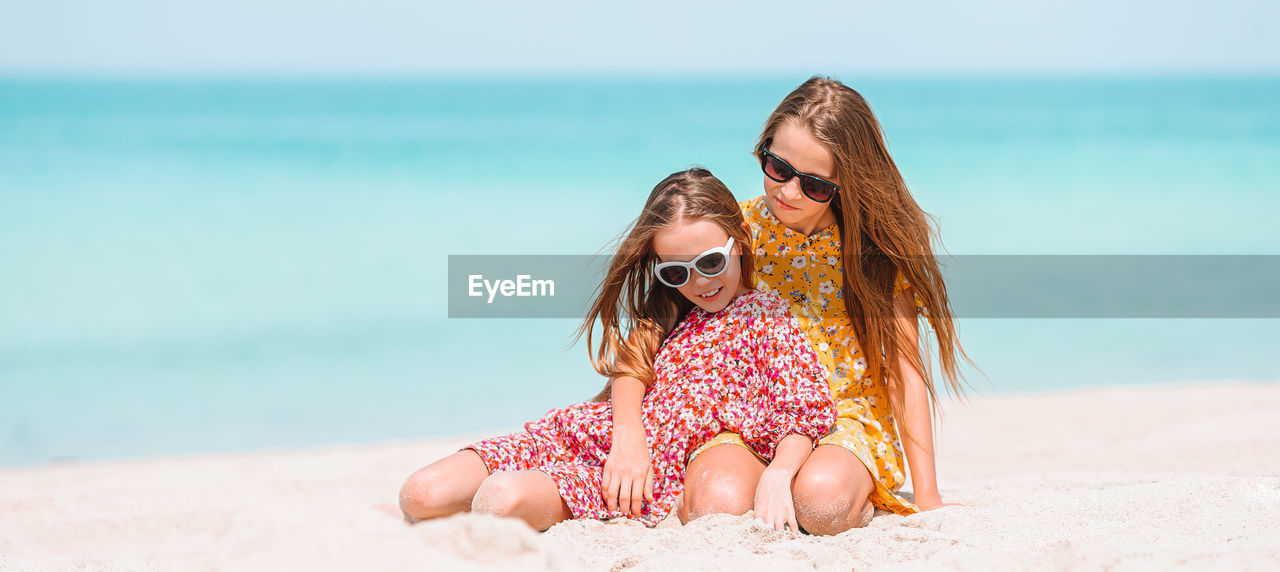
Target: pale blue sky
[[653, 37]]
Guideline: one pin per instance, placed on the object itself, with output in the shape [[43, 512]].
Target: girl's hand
[[773, 502], [628, 475], [933, 502]]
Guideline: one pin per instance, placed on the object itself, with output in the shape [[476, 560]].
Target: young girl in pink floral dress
[[676, 312]]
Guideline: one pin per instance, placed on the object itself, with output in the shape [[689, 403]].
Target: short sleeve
[[900, 285], [793, 395]]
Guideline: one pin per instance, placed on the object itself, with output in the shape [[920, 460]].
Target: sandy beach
[[1148, 477]]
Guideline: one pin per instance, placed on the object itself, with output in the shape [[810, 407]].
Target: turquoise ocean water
[[203, 265]]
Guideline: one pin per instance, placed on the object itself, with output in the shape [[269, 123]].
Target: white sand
[[1135, 478]]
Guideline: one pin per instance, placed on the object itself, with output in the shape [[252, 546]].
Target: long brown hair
[[882, 232], [636, 313]]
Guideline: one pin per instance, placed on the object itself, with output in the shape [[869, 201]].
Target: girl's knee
[[421, 495], [718, 492], [442, 488], [830, 502], [731, 496], [722, 480], [833, 516], [831, 481]]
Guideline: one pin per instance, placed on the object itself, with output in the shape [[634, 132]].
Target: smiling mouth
[[711, 294]]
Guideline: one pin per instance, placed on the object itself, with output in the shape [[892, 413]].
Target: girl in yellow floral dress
[[839, 236]]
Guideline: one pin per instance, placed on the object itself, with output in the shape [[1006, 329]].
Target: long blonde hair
[[635, 312], [882, 232]]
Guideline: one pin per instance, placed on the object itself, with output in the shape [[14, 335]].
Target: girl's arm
[[773, 502], [796, 409], [911, 407], [628, 474]]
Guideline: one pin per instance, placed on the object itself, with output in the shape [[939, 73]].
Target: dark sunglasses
[[816, 189]]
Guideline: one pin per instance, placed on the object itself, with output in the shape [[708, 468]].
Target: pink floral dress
[[747, 369]]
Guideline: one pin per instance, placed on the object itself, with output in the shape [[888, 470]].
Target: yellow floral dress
[[806, 271]]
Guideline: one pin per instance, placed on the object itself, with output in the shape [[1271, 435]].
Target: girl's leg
[[531, 496], [721, 479], [442, 488], [832, 492]]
